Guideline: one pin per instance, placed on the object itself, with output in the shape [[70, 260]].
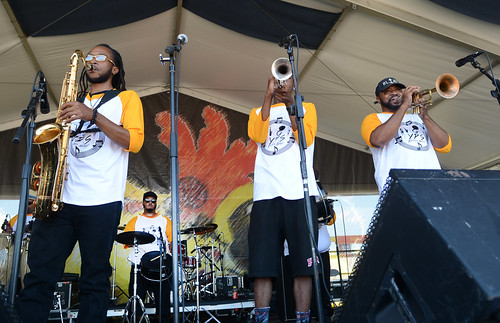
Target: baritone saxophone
[[52, 139]]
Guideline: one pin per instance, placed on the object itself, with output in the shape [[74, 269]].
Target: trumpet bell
[[447, 86], [281, 69]]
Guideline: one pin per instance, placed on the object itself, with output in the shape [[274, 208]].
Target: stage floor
[[223, 310]]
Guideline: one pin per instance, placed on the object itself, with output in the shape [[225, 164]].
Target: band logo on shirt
[[412, 135], [85, 144], [280, 137]]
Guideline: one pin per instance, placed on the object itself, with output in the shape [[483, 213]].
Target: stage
[[213, 309]]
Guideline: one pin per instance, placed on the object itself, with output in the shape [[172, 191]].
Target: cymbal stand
[[198, 248], [132, 302], [113, 284]]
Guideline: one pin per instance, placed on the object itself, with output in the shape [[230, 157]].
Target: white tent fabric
[[412, 40]]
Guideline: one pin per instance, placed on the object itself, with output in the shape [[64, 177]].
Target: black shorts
[[273, 221]]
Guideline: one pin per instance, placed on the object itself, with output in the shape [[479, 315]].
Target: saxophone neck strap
[[106, 97]]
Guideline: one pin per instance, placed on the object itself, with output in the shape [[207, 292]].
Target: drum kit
[[7, 256], [198, 270]]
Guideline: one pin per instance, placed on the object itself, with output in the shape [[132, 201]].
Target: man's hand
[[75, 110]]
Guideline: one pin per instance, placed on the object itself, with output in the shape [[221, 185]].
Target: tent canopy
[[346, 48]]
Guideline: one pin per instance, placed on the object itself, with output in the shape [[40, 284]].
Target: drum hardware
[[113, 283], [196, 231], [134, 238], [5, 258]]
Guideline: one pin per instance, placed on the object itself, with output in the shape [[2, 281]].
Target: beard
[[391, 104], [102, 78]]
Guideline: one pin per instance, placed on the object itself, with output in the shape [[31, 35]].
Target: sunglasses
[[150, 200], [99, 58]]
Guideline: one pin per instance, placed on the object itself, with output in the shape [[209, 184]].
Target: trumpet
[[281, 70], [447, 86]]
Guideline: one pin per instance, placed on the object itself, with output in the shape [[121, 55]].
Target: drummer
[[151, 222]]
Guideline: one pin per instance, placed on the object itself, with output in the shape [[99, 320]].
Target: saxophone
[[52, 139]]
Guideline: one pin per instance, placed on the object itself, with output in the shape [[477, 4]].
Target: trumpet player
[[278, 197], [398, 139], [105, 126]]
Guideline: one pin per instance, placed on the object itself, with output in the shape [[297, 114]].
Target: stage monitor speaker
[[432, 252]]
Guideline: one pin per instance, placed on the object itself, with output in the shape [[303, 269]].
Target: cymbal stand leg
[[197, 280], [132, 302], [213, 267], [113, 284]]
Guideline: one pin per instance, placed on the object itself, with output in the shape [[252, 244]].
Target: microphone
[[44, 102], [467, 59], [182, 39], [286, 40]]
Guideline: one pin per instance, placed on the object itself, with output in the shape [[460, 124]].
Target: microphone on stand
[[467, 59], [287, 40], [182, 39], [44, 102]]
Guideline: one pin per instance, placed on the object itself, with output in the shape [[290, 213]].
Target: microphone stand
[[29, 116], [496, 92], [174, 176], [162, 258], [299, 115]]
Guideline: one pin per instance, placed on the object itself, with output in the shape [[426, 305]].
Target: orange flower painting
[[210, 167]]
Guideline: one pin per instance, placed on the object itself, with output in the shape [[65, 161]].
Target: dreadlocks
[[118, 80]]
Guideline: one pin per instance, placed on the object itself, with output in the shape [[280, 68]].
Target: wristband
[[94, 116]]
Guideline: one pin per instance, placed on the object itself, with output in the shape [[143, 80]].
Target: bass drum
[[150, 266]]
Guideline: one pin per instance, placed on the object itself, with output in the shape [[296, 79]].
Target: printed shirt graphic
[[277, 163], [411, 147], [87, 142], [412, 135], [280, 137]]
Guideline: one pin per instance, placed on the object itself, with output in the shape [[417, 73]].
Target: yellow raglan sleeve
[[257, 129], [133, 119], [445, 149], [130, 227], [310, 123], [370, 123]]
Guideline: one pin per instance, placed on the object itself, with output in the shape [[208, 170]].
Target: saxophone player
[[106, 124]]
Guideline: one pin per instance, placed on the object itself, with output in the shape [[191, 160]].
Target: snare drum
[[150, 266], [189, 262]]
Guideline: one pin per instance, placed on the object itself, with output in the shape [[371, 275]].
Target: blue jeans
[[52, 241]]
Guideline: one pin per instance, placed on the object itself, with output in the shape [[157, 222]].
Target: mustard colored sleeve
[[257, 129], [131, 224], [130, 227], [445, 149], [168, 230], [310, 123], [133, 119], [370, 123], [12, 221]]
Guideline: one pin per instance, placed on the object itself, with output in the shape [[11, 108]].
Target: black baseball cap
[[150, 194], [386, 83]]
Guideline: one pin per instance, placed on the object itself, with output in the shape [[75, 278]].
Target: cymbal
[[210, 227], [127, 237], [200, 230], [193, 230]]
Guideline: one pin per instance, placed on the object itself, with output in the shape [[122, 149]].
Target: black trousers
[[52, 241]]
